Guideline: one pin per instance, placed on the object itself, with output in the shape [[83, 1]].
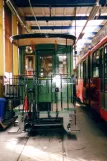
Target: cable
[[31, 8]]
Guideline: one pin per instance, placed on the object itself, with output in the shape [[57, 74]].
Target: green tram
[[45, 86]]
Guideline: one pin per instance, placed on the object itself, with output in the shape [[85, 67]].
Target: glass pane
[[79, 71], [29, 65], [105, 65], [84, 72], [81, 76], [45, 66], [62, 64], [102, 69], [96, 64]]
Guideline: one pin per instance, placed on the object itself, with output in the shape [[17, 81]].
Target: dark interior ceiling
[[58, 3]]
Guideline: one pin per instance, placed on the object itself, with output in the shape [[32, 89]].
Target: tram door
[[54, 89], [44, 64], [104, 78]]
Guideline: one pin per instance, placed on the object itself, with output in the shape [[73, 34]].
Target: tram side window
[[102, 68], [29, 65], [77, 74], [84, 72], [96, 64], [105, 66], [81, 70], [62, 67]]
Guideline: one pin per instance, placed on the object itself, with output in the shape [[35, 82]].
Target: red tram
[[91, 87]]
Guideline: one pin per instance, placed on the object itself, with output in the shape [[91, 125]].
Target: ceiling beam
[[61, 18], [62, 6], [59, 3], [43, 11], [59, 27]]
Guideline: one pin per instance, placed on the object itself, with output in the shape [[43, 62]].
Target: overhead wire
[[33, 13]]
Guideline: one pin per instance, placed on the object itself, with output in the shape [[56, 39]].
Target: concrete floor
[[90, 144]]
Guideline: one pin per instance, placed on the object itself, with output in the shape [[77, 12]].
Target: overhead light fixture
[[94, 11], [29, 50], [92, 15], [14, 10]]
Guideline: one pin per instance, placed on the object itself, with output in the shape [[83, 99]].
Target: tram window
[[96, 64], [102, 68], [62, 67], [29, 65], [77, 75], [77, 71], [105, 66], [81, 70], [84, 72], [45, 66]]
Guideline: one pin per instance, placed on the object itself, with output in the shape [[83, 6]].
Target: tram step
[[52, 124]]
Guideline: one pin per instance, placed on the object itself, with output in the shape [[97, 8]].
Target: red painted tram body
[[91, 86]]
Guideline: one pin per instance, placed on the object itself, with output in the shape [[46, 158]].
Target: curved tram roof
[[35, 38]]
